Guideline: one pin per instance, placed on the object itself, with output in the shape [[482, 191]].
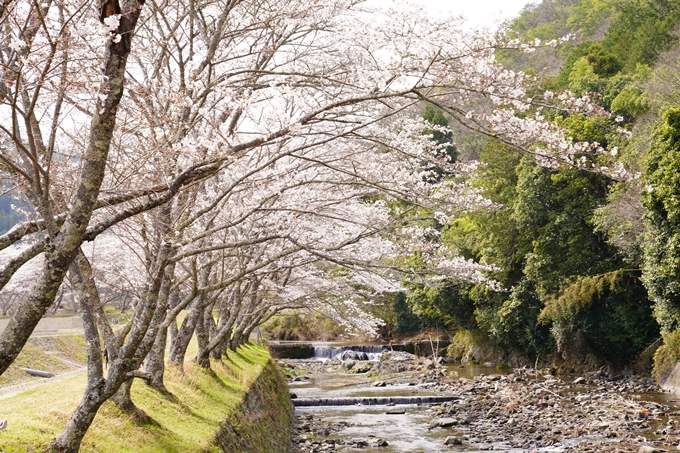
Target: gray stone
[[444, 422], [354, 355], [380, 443], [453, 441], [348, 364], [362, 367], [648, 449]]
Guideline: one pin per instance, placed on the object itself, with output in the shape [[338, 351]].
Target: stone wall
[[263, 422], [671, 381], [53, 326]]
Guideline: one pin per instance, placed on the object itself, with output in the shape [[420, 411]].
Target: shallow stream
[[408, 431]]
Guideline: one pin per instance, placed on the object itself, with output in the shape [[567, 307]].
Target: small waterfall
[[371, 352], [371, 401]]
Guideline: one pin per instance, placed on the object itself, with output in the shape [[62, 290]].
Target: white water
[[369, 352]]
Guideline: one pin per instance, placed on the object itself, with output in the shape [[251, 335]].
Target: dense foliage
[[662, 200], [581, 274]]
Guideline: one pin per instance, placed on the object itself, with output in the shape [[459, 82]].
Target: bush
[[608, 316], [302, 326], [405, 320]]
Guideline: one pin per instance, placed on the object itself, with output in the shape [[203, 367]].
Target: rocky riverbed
[[521, 412]]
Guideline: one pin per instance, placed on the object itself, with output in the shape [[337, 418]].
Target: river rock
[[396, 412], [349, 364], [648, 449], [379, 384], [380, 443], [451, 440], [361, 367], [354, 355], [443, 422]]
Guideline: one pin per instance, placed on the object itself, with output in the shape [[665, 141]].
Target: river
[[517, 412]]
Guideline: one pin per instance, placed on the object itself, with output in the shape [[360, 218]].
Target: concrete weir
[[371, 401]]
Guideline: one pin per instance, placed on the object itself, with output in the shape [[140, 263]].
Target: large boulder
[[353, 355]]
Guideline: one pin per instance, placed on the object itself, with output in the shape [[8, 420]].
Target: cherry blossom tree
[[261, 155], [39, 44]]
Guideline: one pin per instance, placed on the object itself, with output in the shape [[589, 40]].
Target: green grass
[[188, 420], [69, 347]]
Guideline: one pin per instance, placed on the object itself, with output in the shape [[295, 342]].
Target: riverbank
[[60, 355], [524, 411], [188, 420]]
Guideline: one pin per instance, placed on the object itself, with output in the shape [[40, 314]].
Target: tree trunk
[[235, 341], [220, 350], [155, 361], [64, 247], [172, 303], [173, 332], [179, 347], [71, 436], [123, 398], [203, 337]]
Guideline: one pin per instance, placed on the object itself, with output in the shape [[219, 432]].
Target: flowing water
[[361, 352], [405, 432], [405, 427]]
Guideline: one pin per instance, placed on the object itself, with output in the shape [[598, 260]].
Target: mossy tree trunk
[[179, 347], [62, 248], [126, 349]]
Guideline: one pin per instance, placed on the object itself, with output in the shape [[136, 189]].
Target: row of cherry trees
[[232, 159]]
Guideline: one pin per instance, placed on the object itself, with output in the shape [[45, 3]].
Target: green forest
[[588, 265]]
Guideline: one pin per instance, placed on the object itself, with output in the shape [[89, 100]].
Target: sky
[[477, 12], [480, 12]]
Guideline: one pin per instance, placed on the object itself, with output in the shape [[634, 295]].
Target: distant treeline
[[8, 216]]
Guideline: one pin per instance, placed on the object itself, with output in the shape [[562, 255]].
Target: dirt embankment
[[61, 355]]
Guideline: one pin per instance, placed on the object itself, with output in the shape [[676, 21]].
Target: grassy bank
[[58, 354], [187, 421]]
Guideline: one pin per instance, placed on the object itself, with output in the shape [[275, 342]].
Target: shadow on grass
[[164, 393], [167, 443], [243, 358], [140, 418]]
